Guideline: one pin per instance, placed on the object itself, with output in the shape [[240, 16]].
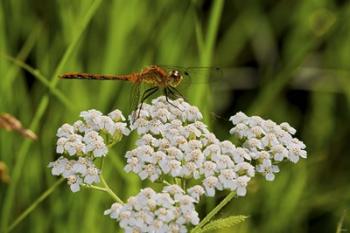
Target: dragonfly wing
[[192, 75], [222, 78], [134, 98]]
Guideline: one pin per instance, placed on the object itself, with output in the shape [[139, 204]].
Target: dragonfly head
[[174, 78]]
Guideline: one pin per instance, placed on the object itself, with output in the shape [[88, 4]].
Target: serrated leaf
[[223, 223]]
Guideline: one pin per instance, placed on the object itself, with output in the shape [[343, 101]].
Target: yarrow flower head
[[76, 172], [168, 211], [89, 135], [174, 142], [84, 141], [267, 142]]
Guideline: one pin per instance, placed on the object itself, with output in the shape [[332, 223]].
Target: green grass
[[281, 41]]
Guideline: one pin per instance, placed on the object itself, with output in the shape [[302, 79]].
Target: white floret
[[95, 143], [116, 115], [196, 192], [65, 131]]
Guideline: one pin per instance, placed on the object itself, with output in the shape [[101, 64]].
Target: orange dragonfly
[[158, 77], [162, 78]]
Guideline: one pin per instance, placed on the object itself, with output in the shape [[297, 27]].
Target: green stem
[[212, 213], [34, 205], [95, 187], [340, 223], [178, 181], [102, 163], [166, 182], [109, 191], [111, 144], [184, 184]]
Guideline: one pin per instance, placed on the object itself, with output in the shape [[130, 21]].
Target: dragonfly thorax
[[174, 78]]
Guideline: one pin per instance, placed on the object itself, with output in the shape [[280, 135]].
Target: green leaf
[[223, 223]]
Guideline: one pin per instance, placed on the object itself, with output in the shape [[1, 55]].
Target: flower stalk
[[109, 191], [213, 212]]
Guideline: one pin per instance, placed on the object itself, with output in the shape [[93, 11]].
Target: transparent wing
[[246, 78], [218, 77], [197, 74], [134, 98]]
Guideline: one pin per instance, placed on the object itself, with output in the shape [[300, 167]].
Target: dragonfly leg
[[171, 94], [176, 93], [145, 95], [166, 93]]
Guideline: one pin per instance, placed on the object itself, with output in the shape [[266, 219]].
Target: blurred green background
[[286, 60]]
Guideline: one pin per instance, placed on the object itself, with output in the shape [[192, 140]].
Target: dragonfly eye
[[175, 78], [175, 73]]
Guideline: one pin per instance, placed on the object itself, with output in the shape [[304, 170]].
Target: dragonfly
[[166, 79]]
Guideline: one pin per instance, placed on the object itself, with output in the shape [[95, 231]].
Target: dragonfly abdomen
[[130, 77]]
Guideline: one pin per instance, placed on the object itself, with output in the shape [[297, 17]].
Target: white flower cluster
[[174, 143], [86, 136], [226, 167], [169, 211], [83, 141], [76, 172], [151, 118], [268, 142]]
